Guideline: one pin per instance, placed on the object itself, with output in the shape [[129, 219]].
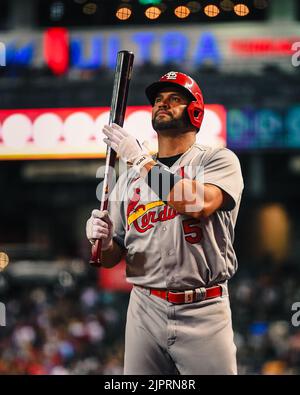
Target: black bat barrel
[[122, 79]]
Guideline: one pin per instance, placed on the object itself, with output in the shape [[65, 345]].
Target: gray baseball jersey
[[166, 249]]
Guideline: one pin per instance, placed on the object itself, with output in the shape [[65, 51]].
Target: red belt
[[190, 296]]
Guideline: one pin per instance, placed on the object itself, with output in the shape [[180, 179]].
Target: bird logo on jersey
[[144, 216], [133, 202]]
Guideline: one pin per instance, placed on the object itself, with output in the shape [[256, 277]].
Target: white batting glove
[[100, 226], [127, 146]]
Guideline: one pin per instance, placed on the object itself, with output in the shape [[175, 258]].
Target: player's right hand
[[100, 226]]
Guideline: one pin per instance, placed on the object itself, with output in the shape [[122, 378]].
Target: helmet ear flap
[[195, 113]]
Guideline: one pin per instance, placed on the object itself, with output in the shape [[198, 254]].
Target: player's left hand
[[126, 146]]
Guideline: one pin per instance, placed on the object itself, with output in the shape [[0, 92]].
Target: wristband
[[140, 162], [161, 180]]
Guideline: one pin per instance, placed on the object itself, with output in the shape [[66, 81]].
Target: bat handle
[[96, 254]]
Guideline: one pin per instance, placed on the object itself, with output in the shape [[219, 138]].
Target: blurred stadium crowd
[[62, 331], [79, 330]]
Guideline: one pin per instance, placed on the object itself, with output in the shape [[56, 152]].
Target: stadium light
[[227, 5], [211, 10], [241, 9], [150, 2], [123, 12], [182, 12], [90, 8], [194, 6], [153, 12], [261, 4], [57, 10]]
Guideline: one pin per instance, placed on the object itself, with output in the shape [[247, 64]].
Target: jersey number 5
[[192, 231]]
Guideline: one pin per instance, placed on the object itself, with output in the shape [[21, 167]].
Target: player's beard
[[172, 126]]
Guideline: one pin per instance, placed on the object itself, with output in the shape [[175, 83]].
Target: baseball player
[[173, 218]]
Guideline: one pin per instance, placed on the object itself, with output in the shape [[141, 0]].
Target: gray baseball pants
[[163, 338]]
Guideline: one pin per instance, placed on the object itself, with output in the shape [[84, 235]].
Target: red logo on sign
[[56, 49]]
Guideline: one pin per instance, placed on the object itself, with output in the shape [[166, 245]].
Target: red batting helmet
[[195, 108]]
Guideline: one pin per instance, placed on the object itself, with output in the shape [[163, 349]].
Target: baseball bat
[[123, 72]]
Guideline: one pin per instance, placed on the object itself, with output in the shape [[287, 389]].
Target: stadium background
[[57, 62]]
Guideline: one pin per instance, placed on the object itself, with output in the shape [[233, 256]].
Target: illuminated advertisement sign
[[249, 129], [62, 49], [66, 133]]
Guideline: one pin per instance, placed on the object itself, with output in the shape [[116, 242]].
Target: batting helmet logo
[[195, 108], [171, 75]]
